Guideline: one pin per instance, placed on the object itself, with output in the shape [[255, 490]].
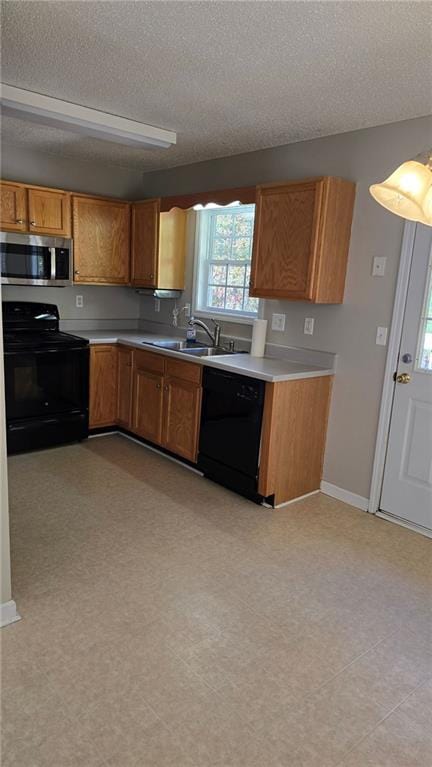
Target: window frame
[[202, 236], [424, 320]]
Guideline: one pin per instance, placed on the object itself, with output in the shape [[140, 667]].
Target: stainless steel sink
[[177, 346], [210, 351]]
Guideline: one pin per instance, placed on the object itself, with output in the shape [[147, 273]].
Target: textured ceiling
[[229, 77]]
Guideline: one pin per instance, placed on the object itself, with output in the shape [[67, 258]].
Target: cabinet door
[[182, 406], [147, 405], [124, 395], [13, 207], [101, 241], [145, 243], [103, 385], [285, 240], [49, 212]]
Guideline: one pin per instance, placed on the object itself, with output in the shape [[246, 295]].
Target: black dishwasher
[[230, 432]]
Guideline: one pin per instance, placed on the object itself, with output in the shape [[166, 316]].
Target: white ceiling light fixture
[[408, 191], [35, 107]]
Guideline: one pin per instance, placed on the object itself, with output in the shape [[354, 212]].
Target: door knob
[[32, 223], [403, 378], [19, 221]]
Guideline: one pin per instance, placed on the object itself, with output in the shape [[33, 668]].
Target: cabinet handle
[[76, 271], [32, 223], [151, 276], [19, 221], [165, 388], [158, 386]]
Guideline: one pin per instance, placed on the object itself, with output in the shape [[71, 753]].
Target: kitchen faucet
[[214, 337]]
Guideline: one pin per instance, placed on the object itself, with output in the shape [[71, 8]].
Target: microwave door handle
[[53, 263]]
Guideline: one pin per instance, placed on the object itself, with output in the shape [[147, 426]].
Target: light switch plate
[[381, 336], [79, 302], [278, 322], [378, 266], [309, 326]]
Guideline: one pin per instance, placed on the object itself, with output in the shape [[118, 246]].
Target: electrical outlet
[[157, 305], [309, 326], [187, 310], [378, 266], [381, 336], [79, 302], [278, 322]]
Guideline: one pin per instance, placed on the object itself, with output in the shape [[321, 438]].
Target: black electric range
[[46, 378]]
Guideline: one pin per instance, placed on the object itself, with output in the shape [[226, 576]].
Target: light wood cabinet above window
[[34, 209], [301, 240]]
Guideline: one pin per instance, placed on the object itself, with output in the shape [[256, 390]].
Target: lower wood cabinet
[[167, 402], [147, 405], [293, 437], [159, 398], [103, 386], [152, 396], [124, 386]]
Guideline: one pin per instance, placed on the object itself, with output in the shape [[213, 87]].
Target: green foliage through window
[[224, 269]]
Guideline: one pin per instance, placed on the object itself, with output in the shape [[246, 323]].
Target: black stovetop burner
[[31, 326]]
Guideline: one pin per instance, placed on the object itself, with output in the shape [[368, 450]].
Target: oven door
[[30, 260], [46, 382]]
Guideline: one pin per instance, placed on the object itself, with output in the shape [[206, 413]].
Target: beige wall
[[104, 306], [364, 157], [32, 167]]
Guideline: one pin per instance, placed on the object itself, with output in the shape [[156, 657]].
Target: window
[[223, 262], [424, 354]]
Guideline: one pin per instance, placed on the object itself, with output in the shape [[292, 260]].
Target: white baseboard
[[358, 501], [8, 613]]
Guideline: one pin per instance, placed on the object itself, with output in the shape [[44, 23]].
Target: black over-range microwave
[[27, 259]]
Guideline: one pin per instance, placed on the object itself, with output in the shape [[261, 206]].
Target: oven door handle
[[45, 351]]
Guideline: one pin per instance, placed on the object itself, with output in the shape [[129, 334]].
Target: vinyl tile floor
[[168, 622]]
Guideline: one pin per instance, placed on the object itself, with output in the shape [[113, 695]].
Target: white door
[[407, 487]]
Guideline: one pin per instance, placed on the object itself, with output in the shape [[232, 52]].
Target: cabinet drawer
[[155, 363], [187, 371]]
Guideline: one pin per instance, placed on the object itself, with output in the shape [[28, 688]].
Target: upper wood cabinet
[[35, 209], [103, 385], [301, 240], [145, 243], [49, 212], [101, 240], [158, 246], [13, 207]]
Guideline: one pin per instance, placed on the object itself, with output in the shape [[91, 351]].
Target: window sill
[[225, 317]]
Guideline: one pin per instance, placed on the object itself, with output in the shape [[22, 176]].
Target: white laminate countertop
[[271, 369]]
